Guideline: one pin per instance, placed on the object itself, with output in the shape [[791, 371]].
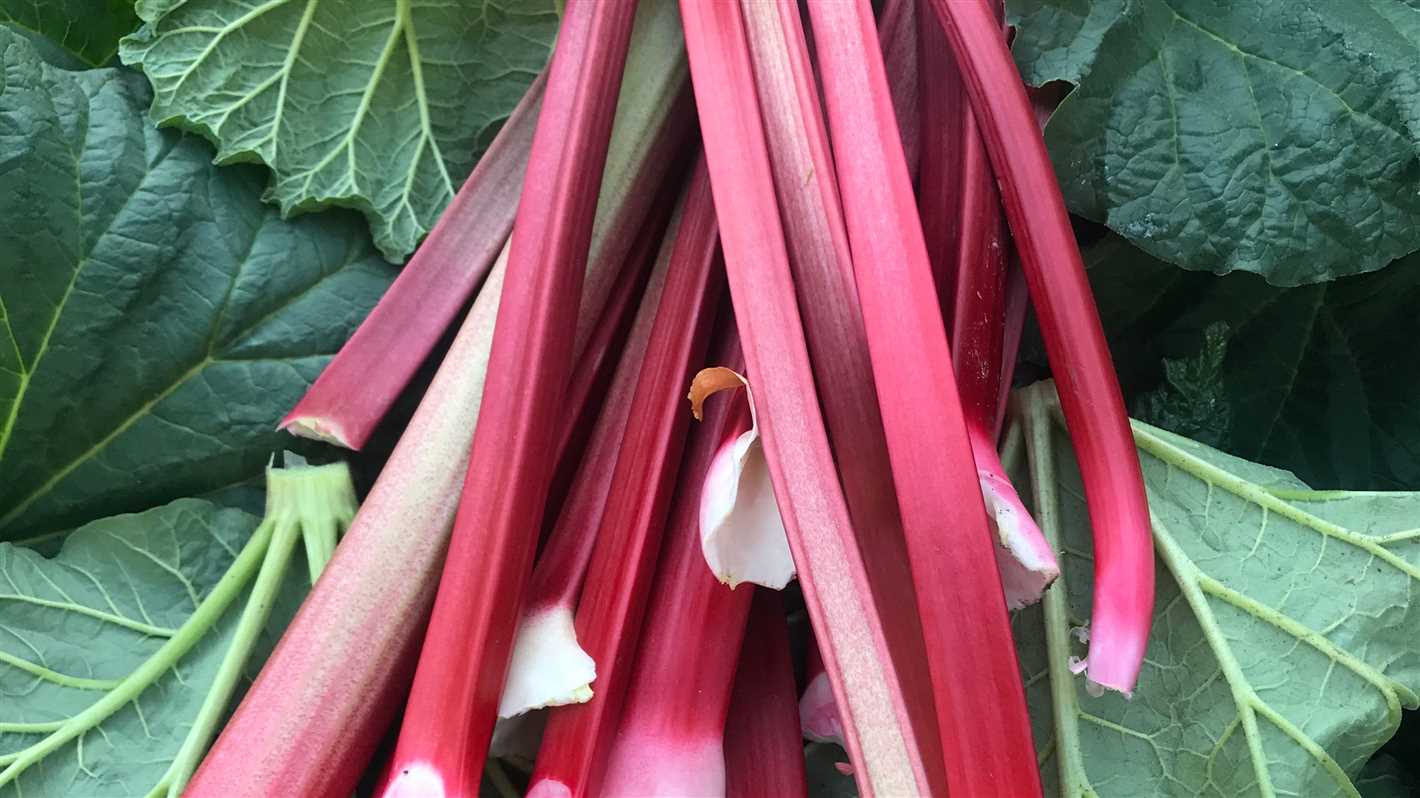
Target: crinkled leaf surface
[[1058, 39], [87, 29], [1273, 136], [156, 318], [1285, 640], [378, 105], [1317, 379], [73, 626]]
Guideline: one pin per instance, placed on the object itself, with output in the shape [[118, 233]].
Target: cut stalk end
[[548, 668], [317, 429]]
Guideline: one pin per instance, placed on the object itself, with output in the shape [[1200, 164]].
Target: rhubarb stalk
[[833, 324], [965, 233], [573, 756], [897, 27], [831, 571], [334, 682], [980, 702], [549, 667], [1090, 397], [670, 740], [451, 708], [356, 389], [764, 755]]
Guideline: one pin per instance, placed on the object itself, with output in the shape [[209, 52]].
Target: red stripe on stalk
[[980, 702], [449, 716], [359, 385], [572, 759], [670, 740], [831, 571], [1089, 390], [764, 754]]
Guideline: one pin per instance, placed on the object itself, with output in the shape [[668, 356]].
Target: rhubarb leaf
[[89, 30], [1058, 39], [1309, 380], [382, 107], [1280, 137], [1285, 639], [74, 627], [156, 318]]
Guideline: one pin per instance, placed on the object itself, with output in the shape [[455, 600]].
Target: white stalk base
[[548, 667]]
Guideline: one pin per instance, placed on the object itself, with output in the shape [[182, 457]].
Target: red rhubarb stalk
[[334, 682], [357, 388], [1074, 340], [897, 27], [965, 231], [572, 760], [764, 755], [671, 736], [612, 338], [449, 716], [980, 702], [549, 666], [833, 323], [831, 571]]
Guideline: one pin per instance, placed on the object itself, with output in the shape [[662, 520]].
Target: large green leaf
[[87, 29], [379, 106], [1058, 39], [73, 628], [1272, 136], [1285, 640], [1315, 379], [156, 318]]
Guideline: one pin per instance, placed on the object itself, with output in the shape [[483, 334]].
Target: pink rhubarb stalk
[[831, 571], [965, 232], [833, 323], [334, 682], [573, 757], [451, 708], [980, 702], [764, 755], [549, 667], [1090, 397], [671, 736], [359, 385]]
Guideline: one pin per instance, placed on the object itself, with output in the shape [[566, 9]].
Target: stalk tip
[[317, 429], [548, 667]]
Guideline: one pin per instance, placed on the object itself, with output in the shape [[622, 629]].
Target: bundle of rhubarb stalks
[[825, 224]]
